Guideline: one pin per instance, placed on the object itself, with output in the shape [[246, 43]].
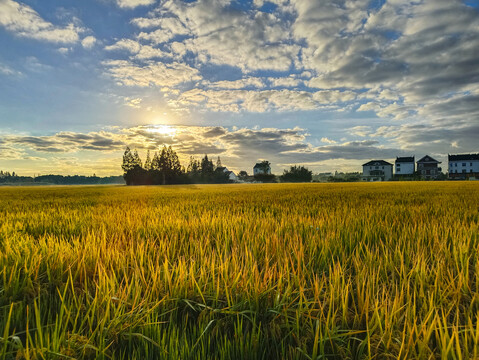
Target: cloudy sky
[[327, 84]]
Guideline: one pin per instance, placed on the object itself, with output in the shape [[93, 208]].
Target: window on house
[[463, 164], [463, 171], [455, 164], [377, 167], [470, 164]]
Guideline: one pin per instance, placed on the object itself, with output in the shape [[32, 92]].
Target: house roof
[[460, 157], [377, 163], [428, 159], [407, 159], [259, 165]]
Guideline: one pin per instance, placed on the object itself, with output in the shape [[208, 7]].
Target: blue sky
[[329, 84]]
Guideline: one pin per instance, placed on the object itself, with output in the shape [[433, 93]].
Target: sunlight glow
[[163, 130]]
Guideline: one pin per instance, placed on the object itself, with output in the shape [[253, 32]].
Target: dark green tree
[[128, 166], [297, 174], [128, 162], [265, 166], [243, 175], [155, 163], [207, 169], [148, 161], [174, 166], [136, 159], [194, 170]]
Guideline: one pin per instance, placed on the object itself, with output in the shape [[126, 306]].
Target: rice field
[[273, 271]]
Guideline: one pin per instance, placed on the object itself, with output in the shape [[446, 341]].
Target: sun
[[163, 130]]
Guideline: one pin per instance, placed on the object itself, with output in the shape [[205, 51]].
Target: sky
[[324, 84]]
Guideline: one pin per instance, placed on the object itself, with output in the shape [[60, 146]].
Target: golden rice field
[[305, 271]]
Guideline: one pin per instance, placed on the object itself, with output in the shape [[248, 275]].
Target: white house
[[231, 175], [377, 170], [262, 168], [405, 166], [463, 166]]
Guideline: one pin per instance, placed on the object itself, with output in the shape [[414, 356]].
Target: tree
[[207, 169], [265, 166], [194, 167], [134, 174], [166, 167], [136, 159], [128, 162], [297, 174], [162, 165], [148, 161], [174, 166], [243, 175], [155, 163], [194, 170], [265, 178]]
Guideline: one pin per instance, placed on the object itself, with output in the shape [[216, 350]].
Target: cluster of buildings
[[259, 168], [460, 167]]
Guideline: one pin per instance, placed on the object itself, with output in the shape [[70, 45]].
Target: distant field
[[307, 271]]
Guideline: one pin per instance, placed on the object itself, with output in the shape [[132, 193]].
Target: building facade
[[262, 168], [405, 166], [428, 168], [462, 167], [377, 170]]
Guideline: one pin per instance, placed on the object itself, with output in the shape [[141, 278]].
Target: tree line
[[12, 178], [164, 168]]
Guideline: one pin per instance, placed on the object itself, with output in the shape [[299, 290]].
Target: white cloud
[[33, 64], [129, 45], [158, 74], [361, 130], [370, 106], [141, 52], [64, 50], [285, 82], [133, 102], [237, 84], [328, 141], [406, 61], [7, 70], [166, 28], [235, 100], [23, 21], [220, 35], [130, 4], [88, 42]]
